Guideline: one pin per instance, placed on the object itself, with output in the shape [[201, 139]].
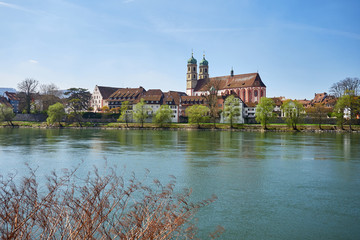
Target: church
[[248, 87]]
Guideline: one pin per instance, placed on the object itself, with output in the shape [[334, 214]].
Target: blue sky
[[299, 47]]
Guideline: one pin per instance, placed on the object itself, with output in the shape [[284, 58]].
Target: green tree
[[78, 98], [293, 112], [163, 115], [140, 112], [6, 114], [125, 115], [231, 109], [56, 112], [347, 106], [197, 114], [265, 111], [75, 114]]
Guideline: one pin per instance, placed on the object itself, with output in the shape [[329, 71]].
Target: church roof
[[204, 62], [229, 82], [192, 60]]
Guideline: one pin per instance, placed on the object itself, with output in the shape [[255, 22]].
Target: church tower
[[191, 75], [204, 68]]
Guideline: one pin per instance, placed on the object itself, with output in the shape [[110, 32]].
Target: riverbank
[[186, 126]]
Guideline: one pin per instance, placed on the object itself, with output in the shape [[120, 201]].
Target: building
[[173, 98], [242, 110], [153, 98], [13, 99], [188, 101], [248, 87], [100, 96], [132, 95], [5, 102]]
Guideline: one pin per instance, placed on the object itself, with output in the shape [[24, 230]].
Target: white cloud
[[13, 6], [128, 1], [33, 61]]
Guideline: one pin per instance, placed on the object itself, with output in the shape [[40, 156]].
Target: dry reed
[[99, 206]]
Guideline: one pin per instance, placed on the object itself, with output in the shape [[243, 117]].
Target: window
[[261, 93], [255, 93], [194, 76], [206, 70], [194, 69]]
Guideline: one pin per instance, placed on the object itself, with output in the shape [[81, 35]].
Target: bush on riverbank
[[204, 126], [95, 207]]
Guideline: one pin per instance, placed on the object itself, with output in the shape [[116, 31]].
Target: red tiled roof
[[12, 96], [152, 95], [277, 101], [127, 93], [192, 98], [319, 97], [304, 102], [250, 104], [173, 96], [107, 91], [228, 82], [5, 102]]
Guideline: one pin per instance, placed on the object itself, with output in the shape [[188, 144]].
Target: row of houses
[[328, 101], [114, 98]]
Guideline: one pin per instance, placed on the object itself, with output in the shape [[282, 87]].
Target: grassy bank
[[184, 126]]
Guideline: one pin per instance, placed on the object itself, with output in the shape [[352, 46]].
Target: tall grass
[[98, 206]]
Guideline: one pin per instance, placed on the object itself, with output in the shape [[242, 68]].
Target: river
[[269, 185]]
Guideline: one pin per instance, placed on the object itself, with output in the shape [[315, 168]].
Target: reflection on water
[[270, 185]]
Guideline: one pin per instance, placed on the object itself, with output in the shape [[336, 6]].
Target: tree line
[[76, 101]]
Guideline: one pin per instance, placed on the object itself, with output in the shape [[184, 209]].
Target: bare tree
[[28, 87], [211, 98], [348, 86], [49, 95], [50, 89]]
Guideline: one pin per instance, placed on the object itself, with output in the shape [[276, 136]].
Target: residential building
[[188, 101], [5, 102], [100, 95], [13, 99], [125, 94], [237, 119], [173, 98]]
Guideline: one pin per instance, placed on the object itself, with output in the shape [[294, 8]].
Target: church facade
[[249, 87]]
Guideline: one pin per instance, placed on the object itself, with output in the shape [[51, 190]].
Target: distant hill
[[3, 90]]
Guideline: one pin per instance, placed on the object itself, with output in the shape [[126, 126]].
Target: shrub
[[94, 207]]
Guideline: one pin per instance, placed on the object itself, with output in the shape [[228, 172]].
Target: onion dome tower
[[204, 68], [191, 76]]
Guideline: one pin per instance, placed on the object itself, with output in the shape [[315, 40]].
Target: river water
[[269, 185]]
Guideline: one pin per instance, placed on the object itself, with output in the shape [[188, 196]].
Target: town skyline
[[297, 48]]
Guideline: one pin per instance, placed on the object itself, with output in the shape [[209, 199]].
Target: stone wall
[[31, 117]]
